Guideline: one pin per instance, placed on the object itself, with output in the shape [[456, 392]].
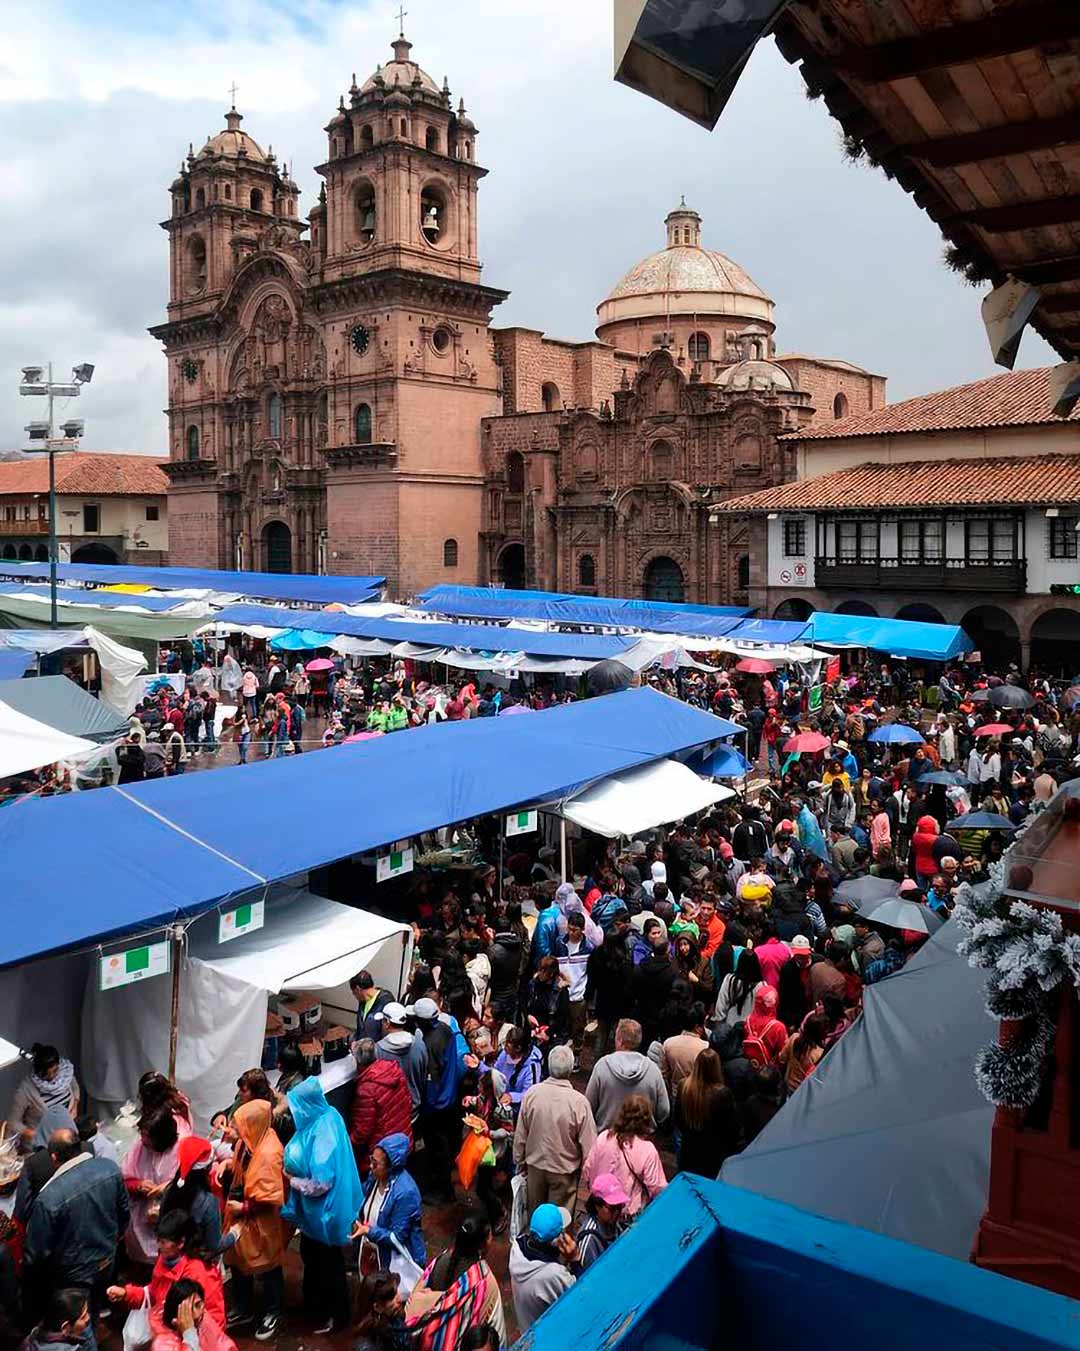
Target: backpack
[[754, 1048]]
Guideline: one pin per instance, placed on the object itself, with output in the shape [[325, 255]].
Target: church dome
[[233, 143], [400, 71], [756, 374], [685, 279]]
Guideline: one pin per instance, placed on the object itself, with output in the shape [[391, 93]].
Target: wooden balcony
[[897, 574], [24, 528]]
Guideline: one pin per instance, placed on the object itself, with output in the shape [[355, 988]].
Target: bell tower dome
[[401, 177]]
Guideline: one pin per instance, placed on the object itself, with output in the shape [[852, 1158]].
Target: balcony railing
[[954, 574], [24, 527]]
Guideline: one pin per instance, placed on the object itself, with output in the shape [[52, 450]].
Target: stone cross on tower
[[401, 16], [232, 92]]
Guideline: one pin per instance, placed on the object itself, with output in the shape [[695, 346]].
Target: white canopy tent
[[27, 744], [9, 1053], [307, 943], [639, 799]]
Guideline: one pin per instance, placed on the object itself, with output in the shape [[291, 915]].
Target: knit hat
[[192, 1153]]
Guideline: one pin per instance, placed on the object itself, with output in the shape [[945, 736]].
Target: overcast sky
[[98, 103]]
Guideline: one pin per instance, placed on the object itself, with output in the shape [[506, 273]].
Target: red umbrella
[[994, 729], [807, 742], [755, 666]]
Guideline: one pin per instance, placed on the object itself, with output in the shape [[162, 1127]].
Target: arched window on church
[[196, 264], [228, 192], [549, 394], [277, 481], [256, 200], [365, 213], [586, 570], [432, 214], [748, 453], [347, 139], [367, 136], [661, 462], [449, 553], [840, 406], [200, 199], [515, 473], [698, 347], [362, 424], [273, 416], [192, 444], [588, 461], [404, 127], [431, 140]]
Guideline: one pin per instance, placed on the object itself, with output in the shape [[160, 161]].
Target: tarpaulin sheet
[[60, 703], [429, 633], [481, 602], [25, 744], [262, 585], [14, 664], [148, 852], [897, 637], [41, 640], [892, 1116], [16, 611], [112, 600], [642, 798]]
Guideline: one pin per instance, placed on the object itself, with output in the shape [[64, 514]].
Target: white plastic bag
[[519, 1205], [402, 1262], [137, 1331]]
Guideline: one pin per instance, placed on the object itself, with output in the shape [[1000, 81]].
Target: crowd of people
[[562, 1046]]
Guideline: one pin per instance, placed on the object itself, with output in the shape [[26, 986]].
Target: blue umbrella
[[948, 778], [724, 763], [896, 734], [981, 821]]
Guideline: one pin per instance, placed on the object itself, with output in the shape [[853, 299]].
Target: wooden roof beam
[[1025, 215], [1049, 271], [1066, 304], [1012, 30], [1014, 138]]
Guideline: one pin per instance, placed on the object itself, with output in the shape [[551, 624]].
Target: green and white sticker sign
[[521, 823], [125, 968], [394, 862], [813, 700], [244, 919]]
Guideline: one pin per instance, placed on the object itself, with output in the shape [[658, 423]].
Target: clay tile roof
[[1015, 399], [1011, 480], [89, 473]]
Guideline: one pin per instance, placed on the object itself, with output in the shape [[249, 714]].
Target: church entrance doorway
[[512, 567], [664, 581], [277, 547]]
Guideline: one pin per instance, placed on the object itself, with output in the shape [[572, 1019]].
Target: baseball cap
[[800, 943], [395, 1013], [789, 826], [548, 1222], [605, 1187], [426, 1009], [725, 850], [907, 886]]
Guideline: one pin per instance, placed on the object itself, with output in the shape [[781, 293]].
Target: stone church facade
[[340, 402]]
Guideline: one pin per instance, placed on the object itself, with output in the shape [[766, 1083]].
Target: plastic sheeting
[[151, 851], [121, 671], [111, 600], [14, 664], [891, 1132], [554, 607], [66, 707], [260, 585], [223, 996], [18, 609], [643, 798], [27, 744], [898, 637]]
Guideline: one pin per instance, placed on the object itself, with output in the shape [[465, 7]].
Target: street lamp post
[[36, 385]]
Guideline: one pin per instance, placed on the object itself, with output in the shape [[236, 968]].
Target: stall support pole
[[502, 841], [177, 938], [562, 846]]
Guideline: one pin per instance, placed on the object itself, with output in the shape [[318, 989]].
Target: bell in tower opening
[[431, 215], [365, 210]]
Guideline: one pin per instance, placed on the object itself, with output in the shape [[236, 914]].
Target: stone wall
[[824, 380]]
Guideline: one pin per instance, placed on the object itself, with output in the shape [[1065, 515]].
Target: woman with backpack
[[764, 1035]]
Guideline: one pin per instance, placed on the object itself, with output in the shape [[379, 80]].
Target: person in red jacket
[[922, 850], [382, 1105], [174, 1262]]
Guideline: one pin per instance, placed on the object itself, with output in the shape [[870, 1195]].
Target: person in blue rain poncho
[[324, 1200], [810, 834]]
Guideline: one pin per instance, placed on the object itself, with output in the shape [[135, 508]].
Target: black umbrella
[[865, 891], [979, 696], [1011, 696], [608, 676]]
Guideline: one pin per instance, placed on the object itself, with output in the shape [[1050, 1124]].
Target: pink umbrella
[[515, 708], [755, 666], [319, 664], [360, 736], [994, 729], [807, 743]]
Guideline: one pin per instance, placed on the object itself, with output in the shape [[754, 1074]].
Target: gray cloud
[[582, 173]]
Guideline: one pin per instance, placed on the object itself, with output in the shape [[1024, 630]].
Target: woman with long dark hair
[[381, 1323], [707, 1118], [803, 1050], [51, 1083], [735, 999], [457, 1291]]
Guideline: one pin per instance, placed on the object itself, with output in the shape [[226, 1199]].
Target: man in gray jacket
[[407, 1048], [540, 1262], [623, 1072]]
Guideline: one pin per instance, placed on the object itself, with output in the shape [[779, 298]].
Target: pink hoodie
[[636, 1164]]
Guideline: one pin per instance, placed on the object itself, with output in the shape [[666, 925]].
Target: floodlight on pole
[[83, 374], [32, 375]]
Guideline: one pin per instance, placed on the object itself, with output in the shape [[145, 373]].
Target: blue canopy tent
[[261, 585], [14, 664], [723, 763], [429, 633], [109, 600], [484, 602], [150, 852], [897, 637]]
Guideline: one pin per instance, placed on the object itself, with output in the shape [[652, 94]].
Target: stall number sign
[[393, 863], [813, 702], [244, 919], [521, 823], [125, 968]]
